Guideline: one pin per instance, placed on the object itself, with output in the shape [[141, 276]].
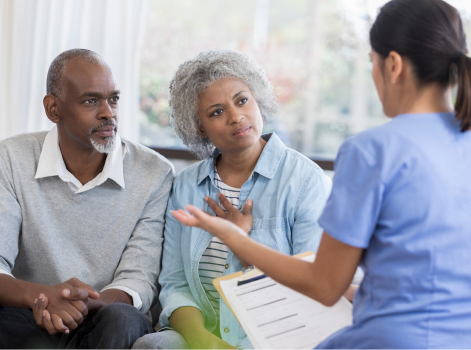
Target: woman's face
[[378, 76], [230, 116]]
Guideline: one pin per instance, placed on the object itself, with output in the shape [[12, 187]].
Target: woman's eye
[[217, 112], [243, 101]]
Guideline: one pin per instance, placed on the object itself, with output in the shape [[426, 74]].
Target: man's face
[[88, 108]]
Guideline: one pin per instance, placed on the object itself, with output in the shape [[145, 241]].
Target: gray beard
[[107, 147]]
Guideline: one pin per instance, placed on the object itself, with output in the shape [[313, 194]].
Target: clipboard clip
[[250, 274], [248, 269]]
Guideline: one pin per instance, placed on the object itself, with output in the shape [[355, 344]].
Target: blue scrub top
[[402, 191]]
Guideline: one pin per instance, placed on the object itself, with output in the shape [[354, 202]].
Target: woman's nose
[[234, 115]]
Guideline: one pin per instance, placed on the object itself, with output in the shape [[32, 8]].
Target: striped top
[[213, 261]]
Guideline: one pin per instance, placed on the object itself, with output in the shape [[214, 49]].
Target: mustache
[[106, 123]]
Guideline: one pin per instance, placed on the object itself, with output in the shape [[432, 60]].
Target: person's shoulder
[[389, 139], [22, 144], [371, 141], [188, 177], [26, 139], [143, 157], [284, 158], [295, 158]]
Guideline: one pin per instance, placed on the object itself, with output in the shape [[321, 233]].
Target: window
[[315, 53]]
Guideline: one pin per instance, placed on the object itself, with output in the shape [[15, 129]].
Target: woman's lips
[[243, 131]]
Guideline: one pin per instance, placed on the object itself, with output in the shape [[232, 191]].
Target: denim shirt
[[289, 192]]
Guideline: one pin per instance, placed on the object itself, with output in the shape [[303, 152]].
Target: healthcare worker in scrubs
[[401, 199]]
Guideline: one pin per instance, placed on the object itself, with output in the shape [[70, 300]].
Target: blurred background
[[315, 53]]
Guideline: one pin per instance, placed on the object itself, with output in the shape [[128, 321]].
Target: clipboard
[[217, 281]]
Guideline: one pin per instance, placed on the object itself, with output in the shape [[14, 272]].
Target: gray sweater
[[107, 236]]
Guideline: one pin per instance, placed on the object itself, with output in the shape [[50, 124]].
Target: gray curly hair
[[196, 75]]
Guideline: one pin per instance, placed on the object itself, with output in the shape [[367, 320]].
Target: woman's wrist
[[196, 336]]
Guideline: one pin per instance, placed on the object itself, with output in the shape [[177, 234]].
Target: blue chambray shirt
[[289, 192]]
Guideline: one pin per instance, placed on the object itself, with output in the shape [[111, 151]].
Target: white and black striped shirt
[[213, 261]]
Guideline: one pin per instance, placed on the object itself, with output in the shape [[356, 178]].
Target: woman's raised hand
[[218, 227], [244, 220]]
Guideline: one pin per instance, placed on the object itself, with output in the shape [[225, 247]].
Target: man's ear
[[50, 107], [202, 132], [394, 67]]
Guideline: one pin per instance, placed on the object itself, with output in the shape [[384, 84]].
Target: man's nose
[[107, 111]]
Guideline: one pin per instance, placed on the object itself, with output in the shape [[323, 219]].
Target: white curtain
[[34, 32]]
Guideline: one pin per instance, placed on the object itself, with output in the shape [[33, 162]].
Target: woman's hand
[[221, 228], [244, 220], [189, 322], [207, 340], [350, 292]]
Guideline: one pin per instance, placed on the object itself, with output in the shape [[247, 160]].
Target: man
[[81, 211]]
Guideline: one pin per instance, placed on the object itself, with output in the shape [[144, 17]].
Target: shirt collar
[[51, 162], [267, 164]]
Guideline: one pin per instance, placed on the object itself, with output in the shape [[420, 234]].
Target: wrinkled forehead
[[81, 76]]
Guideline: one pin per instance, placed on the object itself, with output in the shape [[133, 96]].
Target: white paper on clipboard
[[276, 317]]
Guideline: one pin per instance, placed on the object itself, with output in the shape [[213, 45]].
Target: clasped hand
[[65, 306]]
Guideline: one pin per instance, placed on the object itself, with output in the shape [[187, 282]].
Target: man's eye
[[243, 101], [115, 98], [217, 112], [91, 101]]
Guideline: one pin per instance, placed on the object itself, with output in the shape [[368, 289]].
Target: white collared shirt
[[51, 163]]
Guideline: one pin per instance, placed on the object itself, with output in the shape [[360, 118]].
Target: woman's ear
[[394, 67], [202, 132]]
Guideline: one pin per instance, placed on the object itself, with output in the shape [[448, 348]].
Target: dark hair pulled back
[[430, 34]]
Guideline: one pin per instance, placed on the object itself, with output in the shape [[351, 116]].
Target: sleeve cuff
[[3, 272], [136, 299], [176, 301]]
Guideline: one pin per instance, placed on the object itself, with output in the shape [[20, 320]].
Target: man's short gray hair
[[54, 84], [196, 75]]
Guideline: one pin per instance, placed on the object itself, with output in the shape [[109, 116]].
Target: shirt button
[[226, 330], [227, 266], [253, 174], [240, 207]]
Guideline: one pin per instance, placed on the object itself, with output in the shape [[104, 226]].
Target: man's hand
[[43, 317], [65, 307], [244, 220]]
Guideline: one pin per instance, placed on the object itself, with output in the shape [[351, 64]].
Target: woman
[[401, 199], [219, 102]]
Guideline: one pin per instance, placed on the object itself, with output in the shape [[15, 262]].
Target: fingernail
[[66, 292], [219, 194], [35, 301], [44, 313], [66, 331], [249, 202], [206, 198], [41, 296]]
